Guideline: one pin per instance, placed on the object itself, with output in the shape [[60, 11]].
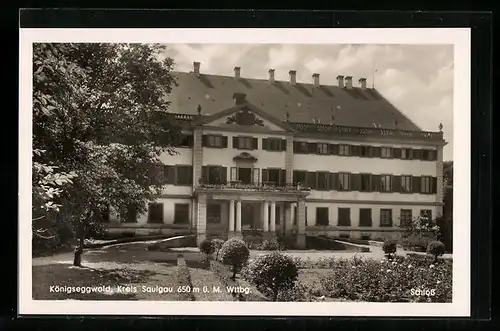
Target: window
[[365, 217], [184, 175], [299, 176], [344, 150], [365, 237], [406, 184], [426, 185], [213, 213], [386, 152], [322, 181], [155, 213], [366, 182], [406, 217], [322, 149], [344, 217], [322, 216], [344, 182], [300, 147], [181, 213], [385, 217], [428, 154], [386, 183], [186, 140], [366, 151], [426, 214], [344, 235], [273, 176], [406, 153], [245, 143], [214, 141], [131, 216], [274, 144], [214, 175]]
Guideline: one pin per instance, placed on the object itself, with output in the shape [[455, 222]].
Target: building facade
[[270, 158]]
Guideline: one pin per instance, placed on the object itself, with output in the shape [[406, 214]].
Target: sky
[[417, 79]]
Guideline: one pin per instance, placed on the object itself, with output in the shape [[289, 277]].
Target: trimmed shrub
[[235, 253], [206, 247], [269, 245], [389, 247], [273, 273], [436, 249], [184, 280], [216, 246]]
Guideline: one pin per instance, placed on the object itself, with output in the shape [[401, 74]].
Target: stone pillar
[[273, 218], [201, 222], [289, 160], [265, 216], [238, 217], [301, 223], [197, 155], [288, 218], [231, 218], [440, 181]]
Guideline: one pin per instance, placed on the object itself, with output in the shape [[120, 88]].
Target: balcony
[[254, 186]]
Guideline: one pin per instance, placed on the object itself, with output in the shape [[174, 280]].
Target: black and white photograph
[[309, 172]]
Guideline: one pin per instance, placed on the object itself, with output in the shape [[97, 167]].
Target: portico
[[242, 213]]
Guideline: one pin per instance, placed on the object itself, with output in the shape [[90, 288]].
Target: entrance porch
[[250, 216]]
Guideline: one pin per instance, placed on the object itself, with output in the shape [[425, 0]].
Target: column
[[231, 218], [265, 216], [289, 160], [301, 223], [440, 181], [197, 155], [238, 217], [201, 222], [273, 217]]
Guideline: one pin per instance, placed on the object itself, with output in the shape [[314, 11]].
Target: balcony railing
[[254, 186]]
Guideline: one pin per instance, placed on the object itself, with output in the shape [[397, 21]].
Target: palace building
[[269, 157]]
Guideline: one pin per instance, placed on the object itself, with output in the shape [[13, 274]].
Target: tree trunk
[[234, 273], [275, 295], [77, 261]]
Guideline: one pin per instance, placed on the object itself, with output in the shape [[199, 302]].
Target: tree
[[436, 249], [389, 248], [446, 221], [100, 113], [235, 253], [216, 246], [206, 248], [274, 272]]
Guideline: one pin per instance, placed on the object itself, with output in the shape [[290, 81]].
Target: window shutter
[[311, 180], [355, 150], [434, 185], [433, 155], [415, 184], [332, 181], [265, 176], [295, 146], [234, 174], [396, 184], [223, 175], [396, 153], [169, 174], [355, 182], [265, 145], [204, 141], [190, 178], [312, 148], [255, 143], [376, 183], [282, 179], [224, 141], [417, 154], [283, 145], [377, 151], [235, 142]]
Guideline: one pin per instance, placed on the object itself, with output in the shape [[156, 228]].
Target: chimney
[[239, 98], [340, 80], [293, 77], [316, 80], [362, 83], [348, 82], [196, 67], [271, 75], [237, 72]]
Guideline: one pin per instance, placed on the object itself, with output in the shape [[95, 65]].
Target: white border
[[460, 38]]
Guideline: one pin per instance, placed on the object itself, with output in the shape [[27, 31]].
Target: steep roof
[[304, 103]]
